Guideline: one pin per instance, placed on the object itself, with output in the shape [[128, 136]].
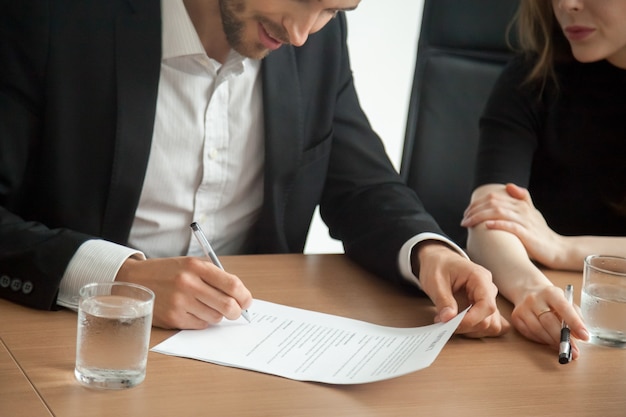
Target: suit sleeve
[[33, 257], [365, 203]]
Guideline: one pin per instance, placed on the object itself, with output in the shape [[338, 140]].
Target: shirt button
[[5, 281], [16, 284], [213, 153], [27, 288]]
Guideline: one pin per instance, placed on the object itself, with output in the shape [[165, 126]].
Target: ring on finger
[[541, 313]]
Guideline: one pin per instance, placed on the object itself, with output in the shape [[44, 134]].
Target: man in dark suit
[[121, 121]]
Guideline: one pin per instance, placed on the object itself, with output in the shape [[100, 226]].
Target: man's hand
[[191, 293], [453, 282]]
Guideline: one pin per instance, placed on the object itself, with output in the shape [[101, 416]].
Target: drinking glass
[[603, 299], [114, 323]]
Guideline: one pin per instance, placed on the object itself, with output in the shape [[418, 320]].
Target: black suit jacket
[[78, 89]]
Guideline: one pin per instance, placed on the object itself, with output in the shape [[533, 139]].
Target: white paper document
[[310, 346]]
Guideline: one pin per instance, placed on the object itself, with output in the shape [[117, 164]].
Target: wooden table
[[17, 395], [505, 376]]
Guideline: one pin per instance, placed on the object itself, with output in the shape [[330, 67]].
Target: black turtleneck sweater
[[566, 144]]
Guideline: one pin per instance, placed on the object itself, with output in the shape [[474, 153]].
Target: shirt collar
[[179, 35], [181, 39]]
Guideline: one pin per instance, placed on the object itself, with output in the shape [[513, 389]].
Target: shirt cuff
[[404, 258], [94, 261]]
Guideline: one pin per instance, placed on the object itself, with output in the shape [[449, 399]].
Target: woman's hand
[[512, 210], [540, 314]]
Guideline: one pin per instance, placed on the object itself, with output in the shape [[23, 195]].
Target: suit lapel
[[138, 59], [284, 129], [284, 125]]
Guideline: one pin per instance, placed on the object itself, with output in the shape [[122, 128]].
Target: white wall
[[382, 37]]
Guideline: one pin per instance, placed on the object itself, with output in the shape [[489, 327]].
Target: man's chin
[[257, 52]]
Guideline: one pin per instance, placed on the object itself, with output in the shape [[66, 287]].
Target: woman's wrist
[[570, 254], [529, 289]]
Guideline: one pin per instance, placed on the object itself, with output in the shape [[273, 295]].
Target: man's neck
[[206, 18]]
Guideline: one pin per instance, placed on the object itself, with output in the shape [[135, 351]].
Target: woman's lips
[[267, 40], [578, 33]]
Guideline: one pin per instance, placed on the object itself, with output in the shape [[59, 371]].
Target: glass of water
[[114, 323], [603, 299]]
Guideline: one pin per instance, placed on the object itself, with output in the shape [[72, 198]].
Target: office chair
[[462, 48]]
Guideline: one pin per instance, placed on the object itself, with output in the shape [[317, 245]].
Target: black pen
[[210, 253], [565, 347]]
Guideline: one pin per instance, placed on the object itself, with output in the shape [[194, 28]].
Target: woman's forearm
[[579, 247], [504, 255]]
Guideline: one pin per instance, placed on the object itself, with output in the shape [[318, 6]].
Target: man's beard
[[234, 29]]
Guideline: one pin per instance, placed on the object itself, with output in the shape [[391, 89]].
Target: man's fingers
[[224, 292], [445, 314], [445, 303], [492, 326]]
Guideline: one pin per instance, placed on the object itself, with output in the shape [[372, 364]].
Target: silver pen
[[565, 347], [210, 253]]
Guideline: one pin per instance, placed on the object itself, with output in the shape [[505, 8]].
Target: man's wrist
[[408, 259], [428, 248], [125, 269]]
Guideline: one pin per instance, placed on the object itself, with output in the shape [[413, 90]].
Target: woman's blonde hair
[[539, 35]]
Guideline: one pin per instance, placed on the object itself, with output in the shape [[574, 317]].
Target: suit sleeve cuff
[[404, 258], [94, 261]]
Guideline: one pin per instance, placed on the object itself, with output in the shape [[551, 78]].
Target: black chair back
[[461, 50]]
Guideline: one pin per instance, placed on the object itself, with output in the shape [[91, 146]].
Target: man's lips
[[577, 33], [268, 40]]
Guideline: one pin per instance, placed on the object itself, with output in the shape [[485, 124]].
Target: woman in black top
[[554, 128]]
